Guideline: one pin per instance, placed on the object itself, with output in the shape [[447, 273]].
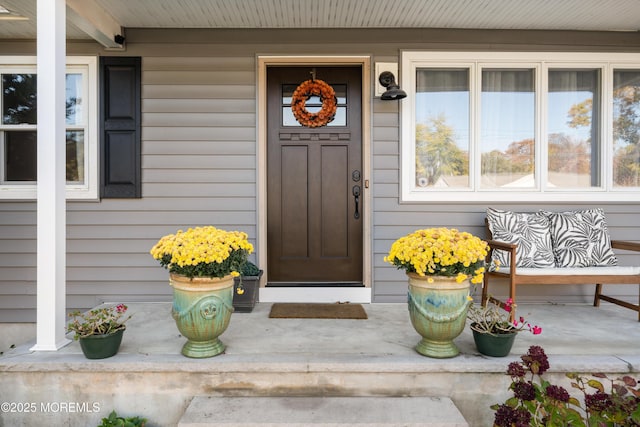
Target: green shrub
[[115, 421], [250, 269]]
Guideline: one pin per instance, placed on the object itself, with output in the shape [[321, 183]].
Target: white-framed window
[[18, 128], [520, 126]]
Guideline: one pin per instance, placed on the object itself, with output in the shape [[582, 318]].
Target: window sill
[[568, 196]]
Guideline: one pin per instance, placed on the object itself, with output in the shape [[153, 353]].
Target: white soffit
[[586, 15], [599, 15]]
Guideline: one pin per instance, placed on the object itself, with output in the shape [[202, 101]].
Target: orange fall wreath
[[306, 90]]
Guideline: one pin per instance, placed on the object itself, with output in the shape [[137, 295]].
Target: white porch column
[[51, 233]]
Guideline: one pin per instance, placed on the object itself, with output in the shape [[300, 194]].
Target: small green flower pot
[[498, 345], [101, 346]]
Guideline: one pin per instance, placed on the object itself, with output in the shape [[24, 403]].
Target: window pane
[[19, 99], [626, 128], [74, 105], [75, 156], [574, 128], [20, 155], [442, 128], [313, 105], [507, 129]]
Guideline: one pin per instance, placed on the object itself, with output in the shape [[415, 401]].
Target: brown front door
[[314, 182]]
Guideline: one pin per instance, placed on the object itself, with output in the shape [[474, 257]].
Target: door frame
[[314, 294]]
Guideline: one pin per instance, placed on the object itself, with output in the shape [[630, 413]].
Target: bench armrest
[[627, 246], [510, 248], [496, 244], [503, 246]]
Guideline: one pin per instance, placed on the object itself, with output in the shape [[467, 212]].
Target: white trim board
[[328, 294], [315, 294]]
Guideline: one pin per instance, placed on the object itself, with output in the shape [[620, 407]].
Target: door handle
[[356, 194]]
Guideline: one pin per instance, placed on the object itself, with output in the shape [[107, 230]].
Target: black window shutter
[[120, 118]]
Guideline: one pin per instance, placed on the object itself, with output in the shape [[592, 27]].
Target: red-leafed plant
[[537, 402]]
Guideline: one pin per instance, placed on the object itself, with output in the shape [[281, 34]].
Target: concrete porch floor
[[303, 357]]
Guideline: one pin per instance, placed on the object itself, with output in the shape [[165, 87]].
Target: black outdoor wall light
[[388, 80]]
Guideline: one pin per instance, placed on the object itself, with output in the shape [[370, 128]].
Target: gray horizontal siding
[[198, 105], [202, 143], [173, 203], [199, 162], [205, 77], [199, 167], [199, 189], [128, 232], [219, 136], [184, 119], [181, 161], [201, 176]]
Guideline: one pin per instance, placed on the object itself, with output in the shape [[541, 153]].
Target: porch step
[[207, 411]]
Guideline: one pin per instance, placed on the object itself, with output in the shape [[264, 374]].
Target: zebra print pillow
[[530, 231], [581, 239]]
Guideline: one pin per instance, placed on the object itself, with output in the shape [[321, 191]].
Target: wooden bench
[[561, 276]]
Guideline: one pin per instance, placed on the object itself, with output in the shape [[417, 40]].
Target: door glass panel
[[626, 128], [19, 99], [507, 129], [574, 129], [313, 105], [442, 128]]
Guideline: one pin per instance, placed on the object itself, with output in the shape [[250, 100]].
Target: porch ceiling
[[587, 15]]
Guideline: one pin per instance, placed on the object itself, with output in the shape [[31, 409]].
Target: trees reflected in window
[[626, 128], [18, 130]]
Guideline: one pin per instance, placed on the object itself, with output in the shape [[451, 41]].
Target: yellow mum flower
[[203, 252], [440, 251]]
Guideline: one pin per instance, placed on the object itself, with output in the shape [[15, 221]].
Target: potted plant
[[202, 264], [246, 288], [440, 264], [99, 330], [493, 331]]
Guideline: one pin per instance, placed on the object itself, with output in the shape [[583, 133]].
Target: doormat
[[317, 311]]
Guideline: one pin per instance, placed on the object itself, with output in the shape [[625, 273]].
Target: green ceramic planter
[[438, 311], [202, 309], [498, 345], [101, 346]]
